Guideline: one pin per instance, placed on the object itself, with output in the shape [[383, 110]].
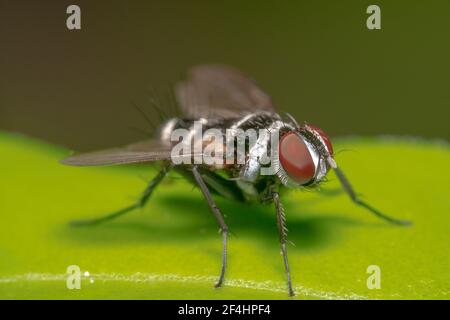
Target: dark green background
[[316, 58]]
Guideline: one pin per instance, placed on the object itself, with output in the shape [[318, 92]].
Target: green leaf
[[171, 249]]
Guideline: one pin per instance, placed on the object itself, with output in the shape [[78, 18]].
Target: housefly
[[221, 97]]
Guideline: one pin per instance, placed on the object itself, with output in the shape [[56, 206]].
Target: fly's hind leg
[[138, 204], [281, 222], [220, 221]]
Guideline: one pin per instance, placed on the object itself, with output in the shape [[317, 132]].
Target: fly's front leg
[[281, 222], [138, 204], [354, 197], [219, 217]]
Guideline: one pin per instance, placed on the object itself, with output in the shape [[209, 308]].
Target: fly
[[221, 97]]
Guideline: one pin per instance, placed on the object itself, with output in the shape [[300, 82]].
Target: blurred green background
[[316, 58]]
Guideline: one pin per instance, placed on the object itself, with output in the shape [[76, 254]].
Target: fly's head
[[304, 156]]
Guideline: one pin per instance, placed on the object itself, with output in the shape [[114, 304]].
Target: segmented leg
[[281, 222], [219, 218], [139, 204], [354, 197]]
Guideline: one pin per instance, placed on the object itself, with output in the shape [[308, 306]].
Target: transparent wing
[[220, 91], [145, 151]]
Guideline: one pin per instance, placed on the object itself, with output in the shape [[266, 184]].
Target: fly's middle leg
[[281, 222], [219, 217], [138, 204]]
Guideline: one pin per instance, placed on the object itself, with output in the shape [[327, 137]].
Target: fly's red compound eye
[[296, 159], [325, 138]]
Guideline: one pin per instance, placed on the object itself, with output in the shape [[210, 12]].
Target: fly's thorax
[[231, 138], [262, 154]]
